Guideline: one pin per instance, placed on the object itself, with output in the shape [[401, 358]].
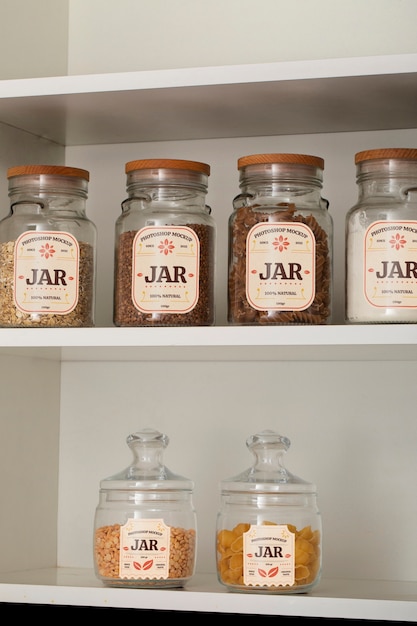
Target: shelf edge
[[210, 75], [206, 595]]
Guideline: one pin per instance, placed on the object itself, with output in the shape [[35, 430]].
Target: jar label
[[144, 549], [280, 266], [268, 555], [46, 272], [390, 265], [165, 269]]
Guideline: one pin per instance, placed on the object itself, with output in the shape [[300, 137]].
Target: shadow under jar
[[165, 246], [280, 243]]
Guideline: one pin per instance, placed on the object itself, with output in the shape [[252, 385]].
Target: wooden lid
[[259, 159], [179, 164], [386, 153], [54, 170]]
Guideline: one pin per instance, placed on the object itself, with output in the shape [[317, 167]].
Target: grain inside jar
[[165, 246], [280, 243], [47, 249]]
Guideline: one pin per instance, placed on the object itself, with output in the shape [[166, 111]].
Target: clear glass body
[[269, 532], [165, 246], [146, 500], [47, 249], [280, 243], [381, 239]]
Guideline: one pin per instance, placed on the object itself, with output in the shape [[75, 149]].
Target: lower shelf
[[348, 599]]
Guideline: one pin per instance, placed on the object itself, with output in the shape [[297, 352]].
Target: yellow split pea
[[230, 554]]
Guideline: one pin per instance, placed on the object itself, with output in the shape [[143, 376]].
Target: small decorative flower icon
[[281, 243], [397, 241], [47, 251], [166, 247]]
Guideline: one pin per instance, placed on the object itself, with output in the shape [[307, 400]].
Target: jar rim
[[53, 170], [147, 164], [386, 153], [173, 485], [288, 158], [231, 486]]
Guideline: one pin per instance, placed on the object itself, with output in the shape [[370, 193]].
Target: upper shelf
[[386, 342], [297, 97]]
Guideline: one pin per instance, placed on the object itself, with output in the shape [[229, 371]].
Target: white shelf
[[291, 98], [220, 343], [297, 97], [359, 599]]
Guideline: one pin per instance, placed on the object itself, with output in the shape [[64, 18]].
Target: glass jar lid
[[147, 471], [267, 474]]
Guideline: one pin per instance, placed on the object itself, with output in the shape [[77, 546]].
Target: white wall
[[29, 453], [354, 441], [33, 38], [129, 35], [55, 37]]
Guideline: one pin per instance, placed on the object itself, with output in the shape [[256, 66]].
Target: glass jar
[[269, 531], [165, 238], [47, 249], [145, 523], [381, 239], [280, 243]]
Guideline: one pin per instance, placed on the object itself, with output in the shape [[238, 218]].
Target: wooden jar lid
[[260, 159], [54, 170], [386, 153], [179, 164]]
